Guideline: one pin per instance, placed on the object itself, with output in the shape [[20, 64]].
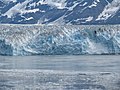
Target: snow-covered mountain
[[60, 11]]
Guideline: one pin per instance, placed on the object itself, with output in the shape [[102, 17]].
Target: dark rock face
[[85, 12]]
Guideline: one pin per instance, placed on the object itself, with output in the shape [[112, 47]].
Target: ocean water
[[82, 72]]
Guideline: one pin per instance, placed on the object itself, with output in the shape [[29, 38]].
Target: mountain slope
[[60, 11]]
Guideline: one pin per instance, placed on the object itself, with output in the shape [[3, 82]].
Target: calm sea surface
[[95, 72]]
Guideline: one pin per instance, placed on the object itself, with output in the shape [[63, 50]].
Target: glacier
[[59, 40]]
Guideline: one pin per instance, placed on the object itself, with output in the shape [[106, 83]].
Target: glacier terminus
[[59, 40]]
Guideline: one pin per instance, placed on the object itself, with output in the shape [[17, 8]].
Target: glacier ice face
[[58, 40]]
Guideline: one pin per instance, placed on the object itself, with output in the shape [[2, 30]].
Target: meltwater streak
[[58, 40]]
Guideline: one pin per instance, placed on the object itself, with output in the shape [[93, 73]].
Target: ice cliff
[[58, 40]]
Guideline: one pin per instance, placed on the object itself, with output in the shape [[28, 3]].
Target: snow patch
[[7, 1], [71, 8], [109, 10], [84, 4], [89, 19], [94, 4], [60, 4], [29, 11], [18, 8], [29, 18]]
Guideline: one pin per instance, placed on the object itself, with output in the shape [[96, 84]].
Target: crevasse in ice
[[58, 40]]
